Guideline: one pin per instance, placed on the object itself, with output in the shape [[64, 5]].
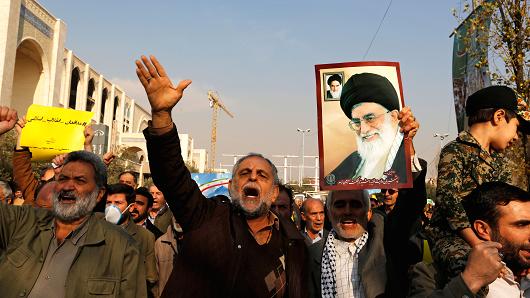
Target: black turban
[[368, 87], [334, 77]]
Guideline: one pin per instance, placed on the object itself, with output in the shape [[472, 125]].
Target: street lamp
[[442, 136], [303, 132]]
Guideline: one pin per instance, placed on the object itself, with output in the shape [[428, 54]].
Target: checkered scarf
[[327, 278]]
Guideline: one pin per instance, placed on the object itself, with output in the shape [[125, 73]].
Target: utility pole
[[303, 132]]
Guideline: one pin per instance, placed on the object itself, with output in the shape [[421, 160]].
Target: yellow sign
[[51, 131]]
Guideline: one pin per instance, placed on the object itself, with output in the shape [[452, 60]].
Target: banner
[[212, 184], [50, 131], [468, 50]]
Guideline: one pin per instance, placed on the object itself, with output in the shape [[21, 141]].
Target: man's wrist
[[161, 119], [472, 283]]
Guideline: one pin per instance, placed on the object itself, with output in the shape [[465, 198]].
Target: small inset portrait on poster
[[360, 143], [333, 85]]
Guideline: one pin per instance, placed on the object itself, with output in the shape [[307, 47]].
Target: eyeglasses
[[389, 191], [369, 119]]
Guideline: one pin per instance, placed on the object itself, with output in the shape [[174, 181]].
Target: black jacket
[[213, 244]]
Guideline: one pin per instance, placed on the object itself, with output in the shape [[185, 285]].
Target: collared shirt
[[263, 233], [318, 237], [347, 277], [508, 287], [60, 256], [159, 212]]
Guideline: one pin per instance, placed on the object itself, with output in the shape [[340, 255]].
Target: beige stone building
[[35, 67]]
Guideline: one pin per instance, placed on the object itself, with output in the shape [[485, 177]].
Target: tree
[[504, 26]]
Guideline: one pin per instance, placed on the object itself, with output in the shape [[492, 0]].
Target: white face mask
[[113, 213]]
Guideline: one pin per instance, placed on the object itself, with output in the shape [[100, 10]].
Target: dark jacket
[[427, 282], [109, 263], [372, 262], [348, 167], [399, 227], [213, 245]]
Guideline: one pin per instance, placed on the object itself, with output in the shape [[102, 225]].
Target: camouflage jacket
[[463, 165]]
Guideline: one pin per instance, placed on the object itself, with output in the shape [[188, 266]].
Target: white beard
[[336, 94], [374, 153]]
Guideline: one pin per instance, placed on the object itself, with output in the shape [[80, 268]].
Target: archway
[[29, 79], [90, 95], [74, 83], [104, 97], [116, 103]]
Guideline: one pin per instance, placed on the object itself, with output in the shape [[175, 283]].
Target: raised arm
[[162, 95], [169, 172]]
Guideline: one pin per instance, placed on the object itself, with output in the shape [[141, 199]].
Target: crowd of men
[[71, 234]]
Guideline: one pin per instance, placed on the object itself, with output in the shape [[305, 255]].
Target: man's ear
[[483, 230], [369, 214], [498, 116], [101, 193], [276, 192]]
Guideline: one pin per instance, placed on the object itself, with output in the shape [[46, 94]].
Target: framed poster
[[360, 145]]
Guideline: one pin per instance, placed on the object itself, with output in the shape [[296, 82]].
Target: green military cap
[[497, 97], [368, 87]]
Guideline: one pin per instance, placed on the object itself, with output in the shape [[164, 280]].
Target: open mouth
[[67, 198], [370, 137], [348, 223], [250, 192]]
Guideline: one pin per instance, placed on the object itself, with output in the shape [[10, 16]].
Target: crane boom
[[215, 104]]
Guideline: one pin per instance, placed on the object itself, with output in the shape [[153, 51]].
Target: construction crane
[[215, 104]]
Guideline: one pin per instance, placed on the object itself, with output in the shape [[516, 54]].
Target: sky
[[260, 55]]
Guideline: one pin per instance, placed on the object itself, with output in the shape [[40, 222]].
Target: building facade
[[36, 68]]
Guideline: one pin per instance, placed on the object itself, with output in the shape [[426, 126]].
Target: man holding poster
[[368, 149]]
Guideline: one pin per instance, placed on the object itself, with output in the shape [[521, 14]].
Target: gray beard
[[263, 208], [82, 207]]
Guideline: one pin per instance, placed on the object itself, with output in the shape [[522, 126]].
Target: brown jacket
[[165, 251], [23, 175]]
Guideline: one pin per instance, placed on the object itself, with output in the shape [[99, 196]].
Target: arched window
[[104, 98], [73, 88], [90, 101]]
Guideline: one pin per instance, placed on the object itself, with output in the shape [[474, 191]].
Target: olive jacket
[[108, 263]]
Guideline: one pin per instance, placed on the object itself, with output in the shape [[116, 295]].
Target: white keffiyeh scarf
[[327, 279]]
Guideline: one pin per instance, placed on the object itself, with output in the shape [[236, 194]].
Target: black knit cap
[[492, 97], [496, 97], [368, 87]]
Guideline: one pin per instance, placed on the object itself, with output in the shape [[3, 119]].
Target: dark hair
[[252, 154], [482, 202], [120, 188], [135, 177], [486, 115], [334, 77], [287, 189], [145, 192], [100, 171]]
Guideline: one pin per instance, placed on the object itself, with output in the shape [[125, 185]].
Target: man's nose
[[364, 127], [253, 175]]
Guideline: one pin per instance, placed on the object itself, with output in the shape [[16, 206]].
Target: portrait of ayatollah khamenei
[[359, 138]]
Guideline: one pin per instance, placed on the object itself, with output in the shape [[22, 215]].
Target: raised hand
[[162, 95], [483, 265], [108, 158], [407, 122], [89, 136], [18, 127], [8, 119]]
